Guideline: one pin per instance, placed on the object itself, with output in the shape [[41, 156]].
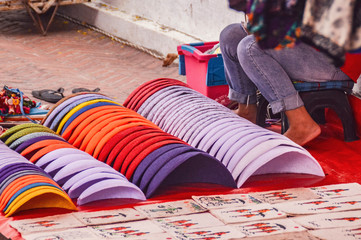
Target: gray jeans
[[248, 68]]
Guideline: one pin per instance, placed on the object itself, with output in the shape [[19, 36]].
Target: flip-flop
[[76, 90], [49, 95]]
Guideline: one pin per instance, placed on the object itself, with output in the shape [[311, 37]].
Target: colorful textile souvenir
[[12, 102]]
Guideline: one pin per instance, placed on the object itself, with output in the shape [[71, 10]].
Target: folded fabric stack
[[25, 186], [243, 147], [83, 177], [131, 144]]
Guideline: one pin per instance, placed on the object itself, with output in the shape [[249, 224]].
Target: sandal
[[76, 90], [49, 95]]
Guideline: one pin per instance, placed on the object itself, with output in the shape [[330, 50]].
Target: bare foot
[[303, 134], [248, 112], [302, 127]]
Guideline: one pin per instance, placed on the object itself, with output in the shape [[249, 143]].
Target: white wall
[[157, 25], [203, 19]]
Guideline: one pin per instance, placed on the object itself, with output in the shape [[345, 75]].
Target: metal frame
[[36, 8]]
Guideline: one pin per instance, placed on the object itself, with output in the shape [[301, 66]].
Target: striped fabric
[[315, 86]]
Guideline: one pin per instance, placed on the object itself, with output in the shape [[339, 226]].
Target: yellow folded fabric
[[40, 197], [77, 108]]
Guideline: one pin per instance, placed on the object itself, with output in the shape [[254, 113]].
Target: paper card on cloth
[[347, 233], [248, 213], [127, 230], [49, 223], [168, 209], [220, 232], [268, 227], [337, 190], [69, 234], [190, 221], [155, 236], [316, 206], [109, 216], [285, 195], [285, 236], [330, 220], [225, 201]]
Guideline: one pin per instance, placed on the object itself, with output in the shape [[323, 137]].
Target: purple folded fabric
[[198, 123], [160, 97], [55, 154], [211, 133], [11, 176], [73, 168], [110, 189], [220, 119], [245, 145], [234, 140], [4, 160], [33, 140], [14, 168], [22, 139], [8, 172], [57, 119], [149, 159], [192, 118], [159, 162], [162, 112], [9, 169], [158, 112], [54, 112], [4, 155], [80, 175], [57, 164], [193, 166], [7, 152], [166, 112], [176, 117], [79, 187], [242, 160], [273, 161], [193, 109]]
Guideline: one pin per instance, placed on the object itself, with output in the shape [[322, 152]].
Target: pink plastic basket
[[204, 72]]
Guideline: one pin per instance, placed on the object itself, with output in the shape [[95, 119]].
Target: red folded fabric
[[110, 144], [129, 167], [133, 94], [111, 128], [137, 94], [48, 149], [30, 150], [121, 145], [97, 111]]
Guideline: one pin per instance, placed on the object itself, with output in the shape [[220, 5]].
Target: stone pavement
[[71, 56]]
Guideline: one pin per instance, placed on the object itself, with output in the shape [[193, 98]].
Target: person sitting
[[250, 67]]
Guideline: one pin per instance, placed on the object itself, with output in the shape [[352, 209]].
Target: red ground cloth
[[340, 161]]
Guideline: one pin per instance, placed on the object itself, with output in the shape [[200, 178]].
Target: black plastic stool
[[315, 103]]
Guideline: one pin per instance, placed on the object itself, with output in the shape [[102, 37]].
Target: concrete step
[[139, 31]]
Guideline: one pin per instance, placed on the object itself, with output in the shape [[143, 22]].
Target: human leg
[[272, 79], [272, 71], [241, 89], [311, 66], [268, 75]]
